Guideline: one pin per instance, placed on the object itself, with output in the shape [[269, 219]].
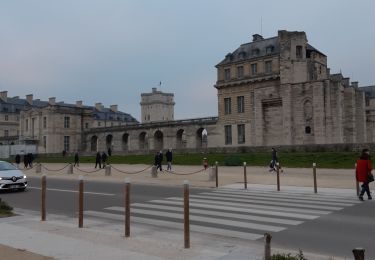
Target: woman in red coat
[[363, 169]]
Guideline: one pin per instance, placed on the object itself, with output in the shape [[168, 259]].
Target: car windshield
[[4, 166]]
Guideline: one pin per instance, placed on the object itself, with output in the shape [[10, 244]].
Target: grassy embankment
[[335, 160]]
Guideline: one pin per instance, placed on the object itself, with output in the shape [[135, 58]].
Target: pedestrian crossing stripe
[[232, 213]]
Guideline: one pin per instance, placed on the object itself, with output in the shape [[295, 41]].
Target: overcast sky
[[111, 51]]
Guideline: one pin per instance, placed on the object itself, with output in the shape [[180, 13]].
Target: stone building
[[54, 126], [370, 112], [157, 106], [279, 91]]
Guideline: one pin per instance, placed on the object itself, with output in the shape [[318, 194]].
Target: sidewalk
[[60, 238]]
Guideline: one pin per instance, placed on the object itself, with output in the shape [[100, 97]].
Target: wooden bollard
[[186, 215], [356, 181], [278, 176], [314, 175], [70, 169], [359, 253], [108, 170], [127, 207], [80, 202], [244, 175], [217, 174], [267, 246], [38, 168], [43, 204]]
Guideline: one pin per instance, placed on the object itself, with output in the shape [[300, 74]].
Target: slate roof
[[16, 104], [258, 48], [369, 90]]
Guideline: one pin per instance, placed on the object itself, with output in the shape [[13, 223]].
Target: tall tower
[[157, 106]]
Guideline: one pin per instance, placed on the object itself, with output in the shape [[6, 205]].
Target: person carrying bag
[[363, 173]]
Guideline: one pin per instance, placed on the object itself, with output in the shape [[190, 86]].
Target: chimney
[[98, 106], [79, 103], [52, 101], [153, 90], [257, 37], [4, 96], [29, 99], [355, 84], [328, 72], [113, 108]]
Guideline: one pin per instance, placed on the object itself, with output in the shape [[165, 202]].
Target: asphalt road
[[333, 234]]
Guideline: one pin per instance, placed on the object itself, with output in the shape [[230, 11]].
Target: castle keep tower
[[157, 106]]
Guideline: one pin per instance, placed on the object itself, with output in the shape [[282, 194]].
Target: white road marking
[[74, 191], [170, 224], [243, 216]]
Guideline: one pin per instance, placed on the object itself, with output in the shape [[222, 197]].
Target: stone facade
[[271, 92], [157, 106], [279, 91]]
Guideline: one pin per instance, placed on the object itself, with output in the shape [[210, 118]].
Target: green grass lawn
[[342, 160]]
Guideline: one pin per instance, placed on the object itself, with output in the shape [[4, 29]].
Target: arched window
[[94, 144], [307, 130]]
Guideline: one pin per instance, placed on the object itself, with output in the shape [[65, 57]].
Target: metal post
[[38, 168], [267, 246], [359, 253], [186, 215], [217, 174], [314, 174], [80, 202], [278, 176], [356, 181], [43, 205], [245, 175], [108, 170], [127, 207]]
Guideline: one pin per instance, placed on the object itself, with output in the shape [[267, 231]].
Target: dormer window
[[242, 55], [269, 49], [229, 57], [255, 52]]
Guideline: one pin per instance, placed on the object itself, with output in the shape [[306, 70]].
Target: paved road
[[321, 223]]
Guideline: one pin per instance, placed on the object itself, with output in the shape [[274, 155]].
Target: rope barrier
[[125, 172], [54, 170], [190, 173], [89, 171]]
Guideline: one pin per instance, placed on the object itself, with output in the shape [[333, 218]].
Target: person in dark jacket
[[26, 160], [104, 159], [363, 169], [169, 157], [76, 159], [158, 160], [31, 159], [18, 160], [274, 159], [98, 160]]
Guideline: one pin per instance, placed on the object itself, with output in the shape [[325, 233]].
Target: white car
[[11, 178]]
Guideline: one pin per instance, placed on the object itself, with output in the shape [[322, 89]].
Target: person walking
[[98, 160], [17, 160], [274, 160], [76, 159], [157, 161], [104, 159], [31, 159], [363, 173], [169, 157], [26, 160]]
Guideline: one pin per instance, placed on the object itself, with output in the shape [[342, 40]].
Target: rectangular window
[[45, 142], [254, 69], [299, 52], [6, 117], [227, 74], [6, 133], [240, 104], [227, 106], [268, 67], [44, 122], [228, 134], [241, 134], [99, 124], [66, 122], [27, 125], [240, 72], [367, 100], [66, 143], [86, 125]]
